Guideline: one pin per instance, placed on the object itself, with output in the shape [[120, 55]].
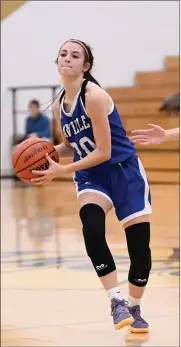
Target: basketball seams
[[35, 162], [34, 143]]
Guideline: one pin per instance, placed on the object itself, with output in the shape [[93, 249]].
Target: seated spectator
[[37, 124]]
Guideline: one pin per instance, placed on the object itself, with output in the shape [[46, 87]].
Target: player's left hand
[[47, 176]]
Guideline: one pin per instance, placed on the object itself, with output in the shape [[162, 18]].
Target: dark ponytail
[[89, 77]]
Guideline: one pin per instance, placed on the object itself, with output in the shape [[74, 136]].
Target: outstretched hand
[[153, 136], [47, 176]]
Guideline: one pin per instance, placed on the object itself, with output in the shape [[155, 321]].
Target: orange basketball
[[30, 155]]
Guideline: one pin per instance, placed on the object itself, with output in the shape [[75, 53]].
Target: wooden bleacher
[[138, 105]]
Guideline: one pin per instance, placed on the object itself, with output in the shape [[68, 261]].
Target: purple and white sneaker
[[120, 313], [139, 325]]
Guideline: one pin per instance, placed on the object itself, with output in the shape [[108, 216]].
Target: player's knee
[[138, 239], [93, 220], [140, 269]]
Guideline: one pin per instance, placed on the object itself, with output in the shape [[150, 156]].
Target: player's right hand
[[46, 176], [153, 136]]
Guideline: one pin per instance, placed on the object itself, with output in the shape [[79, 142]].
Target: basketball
[[30, 155]]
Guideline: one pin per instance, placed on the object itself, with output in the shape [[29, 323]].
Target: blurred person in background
[[157, 135], [37, 124], [171, 104]]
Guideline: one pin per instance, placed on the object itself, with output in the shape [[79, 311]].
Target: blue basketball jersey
[[122, 179], [77, 129]]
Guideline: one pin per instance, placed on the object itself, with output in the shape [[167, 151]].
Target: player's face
[[71, 60]]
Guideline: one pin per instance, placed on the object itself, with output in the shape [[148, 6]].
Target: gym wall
[[125, 36]]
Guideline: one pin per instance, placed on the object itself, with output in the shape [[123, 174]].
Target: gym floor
[[50, 294]]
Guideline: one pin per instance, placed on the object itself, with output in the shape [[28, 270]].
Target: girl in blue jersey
[[107, 173]]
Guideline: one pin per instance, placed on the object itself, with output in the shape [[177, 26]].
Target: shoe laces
[[137, 315], [118, 306]]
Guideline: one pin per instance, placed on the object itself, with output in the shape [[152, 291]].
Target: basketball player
[[154, 136], [108, 174]]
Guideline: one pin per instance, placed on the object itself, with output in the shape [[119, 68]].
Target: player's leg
[[133, 207], [93, 208], [138, 238]]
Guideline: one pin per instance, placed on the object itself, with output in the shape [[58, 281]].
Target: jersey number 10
[[82, 145]]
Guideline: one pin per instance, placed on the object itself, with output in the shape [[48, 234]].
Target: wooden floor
[[50, 293]]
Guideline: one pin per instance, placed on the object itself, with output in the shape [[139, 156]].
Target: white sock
[[114, 293], [133, 302]]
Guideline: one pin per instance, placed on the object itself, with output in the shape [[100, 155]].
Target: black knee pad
[[93, 220], [138, 239]]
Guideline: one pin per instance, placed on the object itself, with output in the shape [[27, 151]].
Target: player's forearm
[[172, 134], [64, 151], [92, 159]]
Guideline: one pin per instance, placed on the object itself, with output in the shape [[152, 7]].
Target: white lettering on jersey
[[66, 130], [78, 125], [74, 127], [86, 126]]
